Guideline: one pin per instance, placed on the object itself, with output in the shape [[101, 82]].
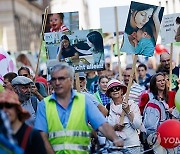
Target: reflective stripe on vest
[[77, 131], [69, 133], [76, 147]]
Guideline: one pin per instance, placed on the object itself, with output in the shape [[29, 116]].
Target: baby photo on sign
[[142, 28], [62, 22], [56, 23]]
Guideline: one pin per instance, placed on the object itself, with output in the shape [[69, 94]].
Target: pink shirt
[[63, 28]]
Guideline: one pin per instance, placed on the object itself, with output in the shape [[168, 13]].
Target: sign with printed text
[[82, 49], [169, 29]]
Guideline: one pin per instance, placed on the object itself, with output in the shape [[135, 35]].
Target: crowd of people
[[41, 116]]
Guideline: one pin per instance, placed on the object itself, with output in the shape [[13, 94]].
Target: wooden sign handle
[[170, 71], [77, 82], [129, 87], [41, 39], [117, 42]]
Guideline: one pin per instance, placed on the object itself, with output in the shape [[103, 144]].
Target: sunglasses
[[114, 89], [26, 75], [81, 78], [6, 105]]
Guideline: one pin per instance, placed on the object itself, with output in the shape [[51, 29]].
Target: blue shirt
[[145, 47], [93, 115], [104, 98]]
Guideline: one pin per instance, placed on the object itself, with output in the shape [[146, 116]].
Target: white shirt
[[129, 133]]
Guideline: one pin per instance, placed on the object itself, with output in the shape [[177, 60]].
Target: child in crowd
[[144, 42], [56, 23]]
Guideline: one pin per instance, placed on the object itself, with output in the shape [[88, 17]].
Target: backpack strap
[[26, 137], [156, 107]]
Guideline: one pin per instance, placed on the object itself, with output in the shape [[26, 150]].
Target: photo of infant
[[142, 29], [62, 22]]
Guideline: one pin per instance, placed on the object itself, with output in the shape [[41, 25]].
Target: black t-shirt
[[35, 144], [69, 53]]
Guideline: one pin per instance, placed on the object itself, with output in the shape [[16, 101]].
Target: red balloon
[[169, 134], [160, 49]]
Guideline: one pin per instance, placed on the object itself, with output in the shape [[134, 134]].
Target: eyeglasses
[[60, 79], [6, 105], [164, 61], [114, 89]]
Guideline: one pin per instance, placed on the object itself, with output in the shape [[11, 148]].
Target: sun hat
[[115, 83], [21, 80], [10, 97]]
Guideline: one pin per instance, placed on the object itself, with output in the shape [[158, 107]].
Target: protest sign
[[108, 18], [170, 28], [62, 22], [83, 49], [142, 27]]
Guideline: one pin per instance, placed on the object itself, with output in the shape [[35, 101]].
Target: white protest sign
[[169, 28], [107, 18]]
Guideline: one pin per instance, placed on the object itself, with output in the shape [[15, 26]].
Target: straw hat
[[115, 83], [12, 98]]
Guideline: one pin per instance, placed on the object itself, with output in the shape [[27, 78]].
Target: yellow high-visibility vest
[[75, 138]]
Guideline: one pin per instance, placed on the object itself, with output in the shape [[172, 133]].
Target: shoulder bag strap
[[26, 137]]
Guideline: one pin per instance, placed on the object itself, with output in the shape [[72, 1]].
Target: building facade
[[20, 24]]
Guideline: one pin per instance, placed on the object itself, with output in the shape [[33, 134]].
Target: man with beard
[[165, 67], [22, 86], [38, 88]]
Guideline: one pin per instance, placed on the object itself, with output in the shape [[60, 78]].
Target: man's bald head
[[165, 60]]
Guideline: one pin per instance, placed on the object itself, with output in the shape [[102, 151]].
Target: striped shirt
[[63, 28], [135, 92]]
